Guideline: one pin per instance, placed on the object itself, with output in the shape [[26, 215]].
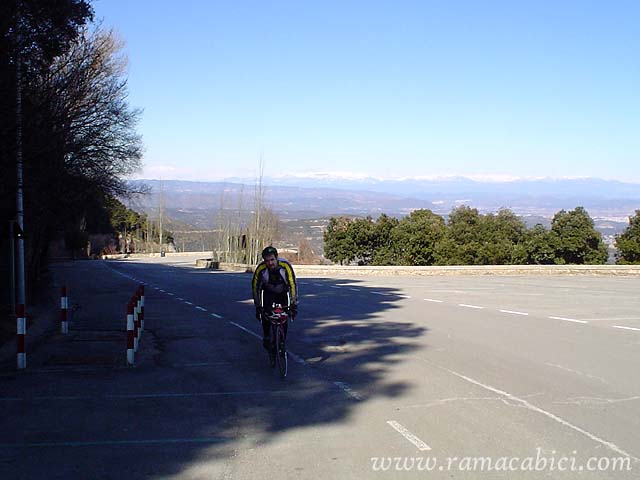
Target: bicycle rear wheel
[[281, 353], [271, 351]]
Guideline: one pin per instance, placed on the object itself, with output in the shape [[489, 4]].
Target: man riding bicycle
[[274, 281]]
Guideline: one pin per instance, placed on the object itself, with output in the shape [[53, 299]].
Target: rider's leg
[[266, 327]]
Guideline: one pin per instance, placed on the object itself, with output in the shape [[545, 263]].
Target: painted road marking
[[202, 364], [333, 286], [404, 296], [514, 312], [469, 306], [408, 435], [246, 330], [162, 291], [200, 308], [569, 319], [626, 328], [355, 289], [432, 300], [612, 319], [348, 390], [134, 396], [169, 293], [533, 408], [180, 298], [381, 293], [295, 357], [188, 302], [576, 372], [116, 442], [216, 315]]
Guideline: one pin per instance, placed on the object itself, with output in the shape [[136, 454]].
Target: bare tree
[[87, 97], [306, 255]]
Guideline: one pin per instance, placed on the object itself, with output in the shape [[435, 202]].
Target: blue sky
[[387, 89]]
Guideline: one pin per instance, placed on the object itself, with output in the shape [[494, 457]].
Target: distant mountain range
[[317, 196], [426, 187]]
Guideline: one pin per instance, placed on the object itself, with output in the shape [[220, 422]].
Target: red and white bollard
[[142, 307], [138, 316], [131, 343], [136, 325], [22, 332], [64, 311]]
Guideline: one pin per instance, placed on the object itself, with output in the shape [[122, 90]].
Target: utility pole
[[20, 267], [12, 265], [161, 212]]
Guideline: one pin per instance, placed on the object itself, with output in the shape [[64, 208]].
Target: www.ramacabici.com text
[[540, 462]]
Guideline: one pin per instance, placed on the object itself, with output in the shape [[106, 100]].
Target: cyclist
[[274, 281]]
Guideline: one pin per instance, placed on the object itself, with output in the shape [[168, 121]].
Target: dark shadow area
[[208, 389]]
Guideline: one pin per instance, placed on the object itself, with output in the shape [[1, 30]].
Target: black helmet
[[268, 251]]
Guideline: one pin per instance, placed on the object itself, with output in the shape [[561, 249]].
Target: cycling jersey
[[277, 282]]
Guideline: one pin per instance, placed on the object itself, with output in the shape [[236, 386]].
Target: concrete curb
[[351, 270], [496, 270]]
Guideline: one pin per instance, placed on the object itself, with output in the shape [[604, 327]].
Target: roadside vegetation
[[628, 242], [64, 112], [470, 238]]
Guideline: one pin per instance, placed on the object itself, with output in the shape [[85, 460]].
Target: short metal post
[[130, 335], [64, 311], [22, 332]]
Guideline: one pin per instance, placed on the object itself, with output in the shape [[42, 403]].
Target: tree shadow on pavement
[[208, 396]]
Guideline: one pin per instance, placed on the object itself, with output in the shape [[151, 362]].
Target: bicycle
[[278, 317]]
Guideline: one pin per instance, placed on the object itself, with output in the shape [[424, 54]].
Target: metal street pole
[[12, 266], [20, 185], [21, 326]]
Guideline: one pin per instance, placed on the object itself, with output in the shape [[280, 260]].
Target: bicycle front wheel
[[281, 353]]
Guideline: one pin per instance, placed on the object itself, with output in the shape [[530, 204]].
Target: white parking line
[[245, 329], [355, 289], [188, 302], [404, 296], [569, 319], [575, 371], [200, 308], [169, 293], [94, 443], [216, 315], [180, 298], [295, 357], [533, 408], [469, 306], [348, 390], [333, 286], [626, 328], [133, 396], [612, 319], [432, 300], [514, 312], [381, 293], [408, 435]]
